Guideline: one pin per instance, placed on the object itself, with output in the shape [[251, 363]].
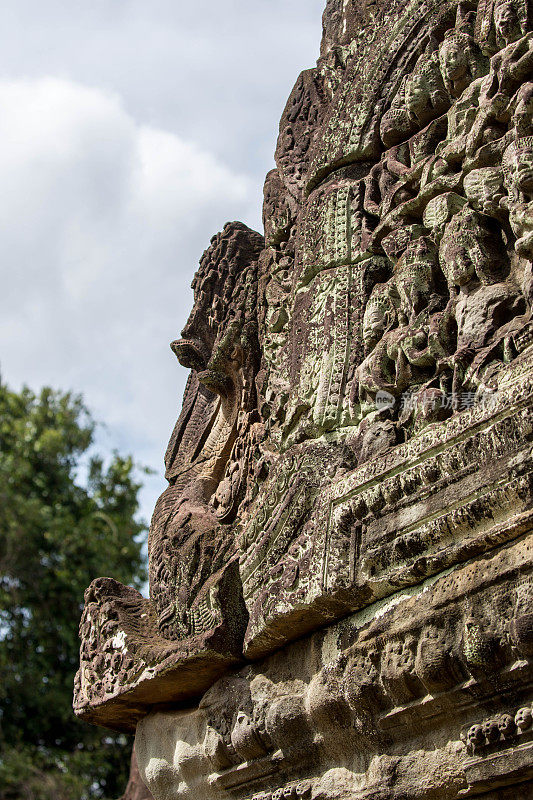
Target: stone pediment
[[340, 566]]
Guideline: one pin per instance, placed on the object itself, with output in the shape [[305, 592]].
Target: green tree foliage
[[65, 519]]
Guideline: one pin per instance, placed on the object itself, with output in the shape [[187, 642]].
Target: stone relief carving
[[355, 439], [399, 674], [189, 553], [499, 730], [196, 604]]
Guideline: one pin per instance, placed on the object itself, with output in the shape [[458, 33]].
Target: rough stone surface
[[341, 566]]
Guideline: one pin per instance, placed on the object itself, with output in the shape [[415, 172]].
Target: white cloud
[[109, 194], [100, 218], [214, 73]]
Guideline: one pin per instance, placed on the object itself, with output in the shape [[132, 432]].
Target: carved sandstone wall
[[341, 566]]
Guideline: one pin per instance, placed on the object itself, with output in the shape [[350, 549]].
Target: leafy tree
[[57, 533]]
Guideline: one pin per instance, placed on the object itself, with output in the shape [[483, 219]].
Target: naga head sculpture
[[219, 344], [217, 339]]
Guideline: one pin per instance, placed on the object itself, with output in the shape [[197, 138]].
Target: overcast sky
[[130, 132]]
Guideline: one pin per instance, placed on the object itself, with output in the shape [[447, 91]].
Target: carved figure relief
[[219, 342]]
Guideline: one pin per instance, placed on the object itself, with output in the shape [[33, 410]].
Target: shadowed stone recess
[[341, 571]]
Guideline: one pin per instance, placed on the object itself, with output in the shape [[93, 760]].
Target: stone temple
[[341, 567]]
